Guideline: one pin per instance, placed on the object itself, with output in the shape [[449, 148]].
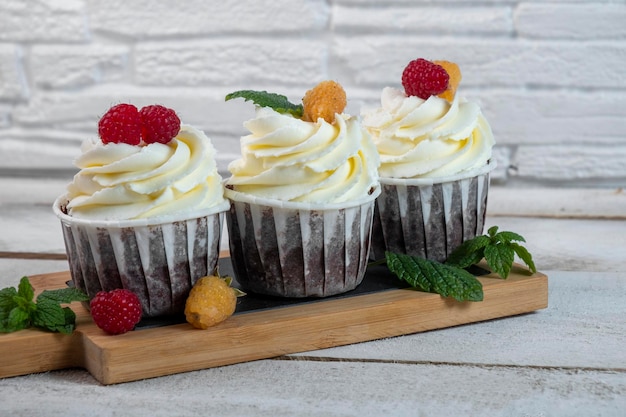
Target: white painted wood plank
[[304, 388], [558, 202], [570, 244], [11, 270], [584, 326]]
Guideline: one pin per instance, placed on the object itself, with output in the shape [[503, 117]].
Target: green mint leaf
[[24, 304], [70, 321], [498, 249], [500, 257], [63, 295], [525, 256], [469, 252], [18, 319], [25, 290], [48, 315], [18, 310], [407, 270], [13, 319], [508, 237], [435, 277], [4, 327], [278, 102], [493, 230], [7, 301], [51, 316]]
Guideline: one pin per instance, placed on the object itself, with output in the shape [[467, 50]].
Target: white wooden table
[[566, 360]]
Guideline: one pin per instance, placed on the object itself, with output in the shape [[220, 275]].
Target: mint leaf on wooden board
[[7, 301], [63, 295], [525, 256], [500, 259], [49, 314], [25, 290], [497, 248], [469, 252], [17, 319], [435, 277], [277, 102], [18, 310], [508, 237]]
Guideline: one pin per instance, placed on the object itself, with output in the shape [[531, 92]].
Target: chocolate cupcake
[[145, 211], [435, 151], [302, 197]]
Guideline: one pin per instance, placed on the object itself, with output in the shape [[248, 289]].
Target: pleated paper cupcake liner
[[429, 219], [298, 249], [157, 260]]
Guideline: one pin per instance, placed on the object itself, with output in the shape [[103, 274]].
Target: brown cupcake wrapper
[[158, 262], [291, 252], [428, 220]]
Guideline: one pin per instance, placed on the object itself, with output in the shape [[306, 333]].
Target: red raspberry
[[116, 311], [159, 124], [121, 124], [423, 78]]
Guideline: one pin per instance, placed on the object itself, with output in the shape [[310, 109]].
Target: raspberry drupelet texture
[[159, 124], [324, 100], [423, 79], [116, 311], [121, 124]]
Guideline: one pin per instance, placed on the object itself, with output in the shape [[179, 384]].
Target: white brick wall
[[550, 75]]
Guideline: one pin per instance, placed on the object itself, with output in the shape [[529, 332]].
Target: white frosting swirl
[[118, 181], [288, 159], [419, 138]]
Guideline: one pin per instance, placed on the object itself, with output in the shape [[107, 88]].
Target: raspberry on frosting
[[423, 79], [123, 123], [158, 124], [324, 100]]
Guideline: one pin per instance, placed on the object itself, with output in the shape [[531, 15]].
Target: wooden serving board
[[264, 328]]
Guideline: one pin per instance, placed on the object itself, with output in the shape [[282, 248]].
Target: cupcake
[[302, 196], [435, 150], [145, 210]]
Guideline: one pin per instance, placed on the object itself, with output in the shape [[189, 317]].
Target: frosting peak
[[419, 138], [118, 181], [289, 159]]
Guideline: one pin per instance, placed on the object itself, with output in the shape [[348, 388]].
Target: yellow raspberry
[[211, 301], [455, 78], [324, 100]]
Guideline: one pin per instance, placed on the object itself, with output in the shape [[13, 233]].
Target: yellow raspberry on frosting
[[455, 78], [324, 100]]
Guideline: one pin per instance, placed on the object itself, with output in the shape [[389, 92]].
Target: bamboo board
[[261, 332]]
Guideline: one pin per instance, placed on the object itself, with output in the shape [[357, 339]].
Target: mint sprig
[[435, 277], [451, 278], [277, 102], [498, 249], [18, 310]]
